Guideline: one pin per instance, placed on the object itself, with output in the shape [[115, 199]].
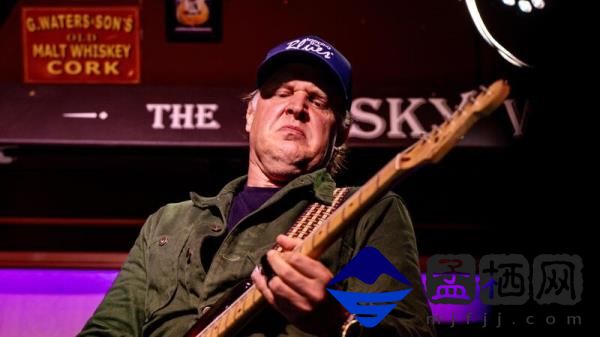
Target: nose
[[298, 105]]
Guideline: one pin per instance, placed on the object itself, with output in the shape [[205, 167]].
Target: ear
[[249, 116]]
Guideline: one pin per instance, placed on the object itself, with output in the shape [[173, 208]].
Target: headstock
[[433, 146]]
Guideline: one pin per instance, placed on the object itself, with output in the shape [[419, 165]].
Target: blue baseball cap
[[312, 49]]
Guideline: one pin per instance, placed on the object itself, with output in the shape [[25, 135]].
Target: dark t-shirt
[[246, 202]]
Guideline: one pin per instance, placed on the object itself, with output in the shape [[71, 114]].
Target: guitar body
[[219, 307]]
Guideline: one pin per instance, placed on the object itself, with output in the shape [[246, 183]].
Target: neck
[[258, 178]]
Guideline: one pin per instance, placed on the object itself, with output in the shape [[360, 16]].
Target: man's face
[[290, 123]]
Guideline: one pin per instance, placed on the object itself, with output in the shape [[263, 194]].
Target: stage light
[[525, 6], [523, 32], [487, 36], [539, 4]]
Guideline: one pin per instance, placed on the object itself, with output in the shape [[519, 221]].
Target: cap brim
[[287, 56]]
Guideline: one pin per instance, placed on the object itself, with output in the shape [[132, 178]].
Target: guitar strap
[[314, 215]]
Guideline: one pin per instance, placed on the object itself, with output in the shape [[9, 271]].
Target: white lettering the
[[204, 116], [184, 116], [177, 117], [158, 110]]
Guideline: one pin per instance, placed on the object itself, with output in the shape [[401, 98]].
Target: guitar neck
[[323, 236]]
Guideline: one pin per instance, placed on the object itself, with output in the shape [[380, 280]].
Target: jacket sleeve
[[388, 228], [121, 312]]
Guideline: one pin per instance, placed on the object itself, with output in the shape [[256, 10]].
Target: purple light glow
[[49, 302], [55, 281], [457, 313], [58, 302]]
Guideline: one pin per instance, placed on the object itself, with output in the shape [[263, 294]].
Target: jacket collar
[[319, 183]]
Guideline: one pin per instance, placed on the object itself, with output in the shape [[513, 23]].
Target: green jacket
[[164, 283]]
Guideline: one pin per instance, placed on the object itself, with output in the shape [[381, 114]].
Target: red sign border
[[26, 74]]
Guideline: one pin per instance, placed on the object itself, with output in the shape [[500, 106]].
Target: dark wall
[[388, 42], [477, 200]]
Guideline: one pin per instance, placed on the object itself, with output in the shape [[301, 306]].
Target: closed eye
[[319, 101], [283, 92]]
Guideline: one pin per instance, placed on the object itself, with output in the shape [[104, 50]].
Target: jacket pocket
[[163, 254]]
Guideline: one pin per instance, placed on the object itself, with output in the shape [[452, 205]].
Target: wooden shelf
[[71, 221], [78, 260]]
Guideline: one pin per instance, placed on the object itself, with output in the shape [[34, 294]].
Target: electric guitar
[[234, 309]]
